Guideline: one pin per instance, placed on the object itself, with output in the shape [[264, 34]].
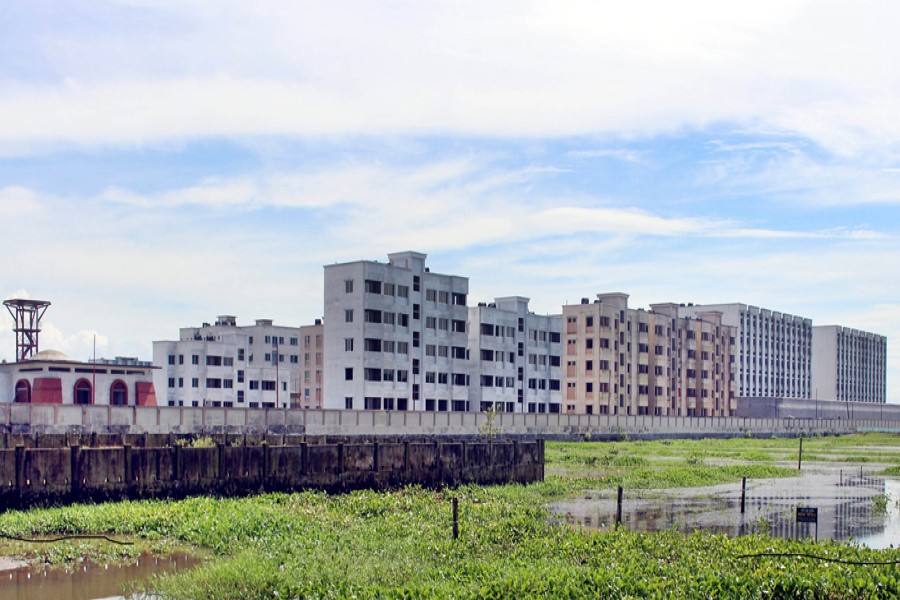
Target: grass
[[398, 544]]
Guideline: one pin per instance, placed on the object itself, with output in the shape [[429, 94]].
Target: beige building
[[309, 384], [625, 361]]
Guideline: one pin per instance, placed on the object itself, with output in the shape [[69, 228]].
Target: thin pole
[[800, 456], [743, 493], [277, 382], [94, 376], [619, 508]]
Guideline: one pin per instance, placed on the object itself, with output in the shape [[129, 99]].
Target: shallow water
[[87, 580], [845, 503]]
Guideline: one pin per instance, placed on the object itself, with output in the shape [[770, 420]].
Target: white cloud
[[824, 71]]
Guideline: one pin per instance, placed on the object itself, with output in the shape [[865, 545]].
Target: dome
[[50, 355]]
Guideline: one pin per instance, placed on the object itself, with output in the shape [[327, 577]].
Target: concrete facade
[[515, 357], [388, 325], [310, 382], [628, 361], [848, 364], [223, 364], [773, 349], [50, 377]]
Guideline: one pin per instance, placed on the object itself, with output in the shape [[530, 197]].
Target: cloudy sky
[[165, 162]]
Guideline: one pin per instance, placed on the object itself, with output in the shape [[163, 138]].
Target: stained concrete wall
[[28, 419], [39, 475]]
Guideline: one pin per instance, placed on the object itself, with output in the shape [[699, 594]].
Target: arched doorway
[[23, 391], [118, 393], [83, 392]]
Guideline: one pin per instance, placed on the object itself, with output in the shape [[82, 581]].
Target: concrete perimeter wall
[[37, 476], [26, 419]]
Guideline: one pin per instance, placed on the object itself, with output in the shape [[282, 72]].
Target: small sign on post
[[808, 514]]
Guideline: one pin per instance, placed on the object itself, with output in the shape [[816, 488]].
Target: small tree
[[489, 428]]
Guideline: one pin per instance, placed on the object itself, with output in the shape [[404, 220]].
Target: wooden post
[[619, 508], [455, 518], [74, 472], [800, 456], [743, 493]]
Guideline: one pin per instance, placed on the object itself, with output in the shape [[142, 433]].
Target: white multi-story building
[[225, 364], [848, 364], [390, 324], [773, 349], [514, 357]]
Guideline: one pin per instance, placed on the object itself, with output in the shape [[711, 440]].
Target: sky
[[162, 163]]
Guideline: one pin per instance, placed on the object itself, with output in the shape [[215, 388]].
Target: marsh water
[[86, 580], [851, 506]]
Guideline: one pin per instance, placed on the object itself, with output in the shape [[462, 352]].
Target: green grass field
[[398, 544]]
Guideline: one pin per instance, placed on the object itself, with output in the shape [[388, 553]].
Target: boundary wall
[[31, 418], [39, 475]]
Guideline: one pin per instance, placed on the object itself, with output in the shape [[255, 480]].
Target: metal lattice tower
[[27, 316]]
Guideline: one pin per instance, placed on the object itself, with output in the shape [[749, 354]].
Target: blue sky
[[165, 162]]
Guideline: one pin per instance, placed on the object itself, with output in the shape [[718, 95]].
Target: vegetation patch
[[399, 544]]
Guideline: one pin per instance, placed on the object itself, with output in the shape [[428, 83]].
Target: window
[[403, 319], [444, 297], [373, 345], [388, 318], [373, 287], [554, 337], [417, 283], [430, 377], [171, 382], [195, 359], [459, 299], [348, 316], [181, 382], [348, 374], [240, 376], [195, 382], [268, 386], [415, 339], [348, 403], [214, 383], [402, 347], [459, 326], [372, 316], [430, 322], [213, 361], [431, 295], [415, 311], [181, 359], [254, 384], [403, 291], [443, 323], [372, 374], [348, 286], [459, 352], [240, 395], [429, 350], [389, 289], [171, 359]]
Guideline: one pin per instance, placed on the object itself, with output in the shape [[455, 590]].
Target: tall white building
[[515, 357], [224, 364], [848, 364], [395, 336], [773, 349]]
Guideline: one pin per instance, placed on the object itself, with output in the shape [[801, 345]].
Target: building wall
[[390, 324], [310, 384], [774, 350], [623, 361], [223, 364], [55, 382], [848, 364], [514, 357]]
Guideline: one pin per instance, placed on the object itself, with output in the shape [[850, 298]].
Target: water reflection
[[846, 509], [87, 580]]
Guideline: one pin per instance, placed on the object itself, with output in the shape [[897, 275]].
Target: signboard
[[806, 514]]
